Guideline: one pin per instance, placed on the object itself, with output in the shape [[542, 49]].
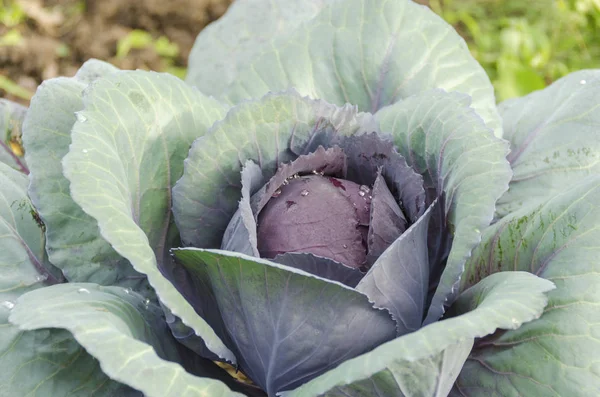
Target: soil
[[57, 36]]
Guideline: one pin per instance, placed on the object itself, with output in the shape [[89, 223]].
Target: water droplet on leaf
[[361, 193], [84, 150], [304, 193], [8, 304], [81, 118], [364, 188], [582, 82], [41, 277], [345, 245], [276, 193], [127, 290], [83, 291]]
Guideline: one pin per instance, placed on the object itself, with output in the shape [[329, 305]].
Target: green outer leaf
[[93, 69], [418, 364], [11, 120], [443, 139], [369, 53], [128, 149], [559, 354], [36, 363], [126, 335], [265, 131], [74, 243], [555, 139], [248, 27]]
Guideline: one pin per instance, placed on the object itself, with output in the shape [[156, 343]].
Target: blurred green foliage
[[525, 45], [141, 39], [11, 14]]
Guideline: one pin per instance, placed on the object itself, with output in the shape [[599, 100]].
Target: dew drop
[[41, 278], [147, 303], [8, 304], [361, 193], [276, 193], [81, 118], [285, 182], [583, 82], [83, 291], [295, 176], [364, 188], [127, 290], [84, 150], [304, 193], [345, 245]]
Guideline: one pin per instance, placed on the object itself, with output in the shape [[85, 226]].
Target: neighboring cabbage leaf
[[369, 53], [127, 150], [555, 139], [559, 354], [45, 362]]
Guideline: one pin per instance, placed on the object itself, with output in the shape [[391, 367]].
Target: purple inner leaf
[[369, 152], [240, 235], [387, 221]]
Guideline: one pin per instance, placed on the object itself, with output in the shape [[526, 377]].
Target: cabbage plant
[[331, 204]]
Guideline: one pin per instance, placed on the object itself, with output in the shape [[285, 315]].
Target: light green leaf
[[426, 362], [94, 69], [74, 243], [46, 362], [127, 150], [248, 27], [555, 139], [11, 120], [269, 131], [122, 330], [559, 354], [443, 139], [369, 53]]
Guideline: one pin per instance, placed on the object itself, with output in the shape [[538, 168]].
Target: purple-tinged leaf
[[399, 279], [369, 152], [387, 221], [288, 326], [240, 235], [322, 267], [463, 164]]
